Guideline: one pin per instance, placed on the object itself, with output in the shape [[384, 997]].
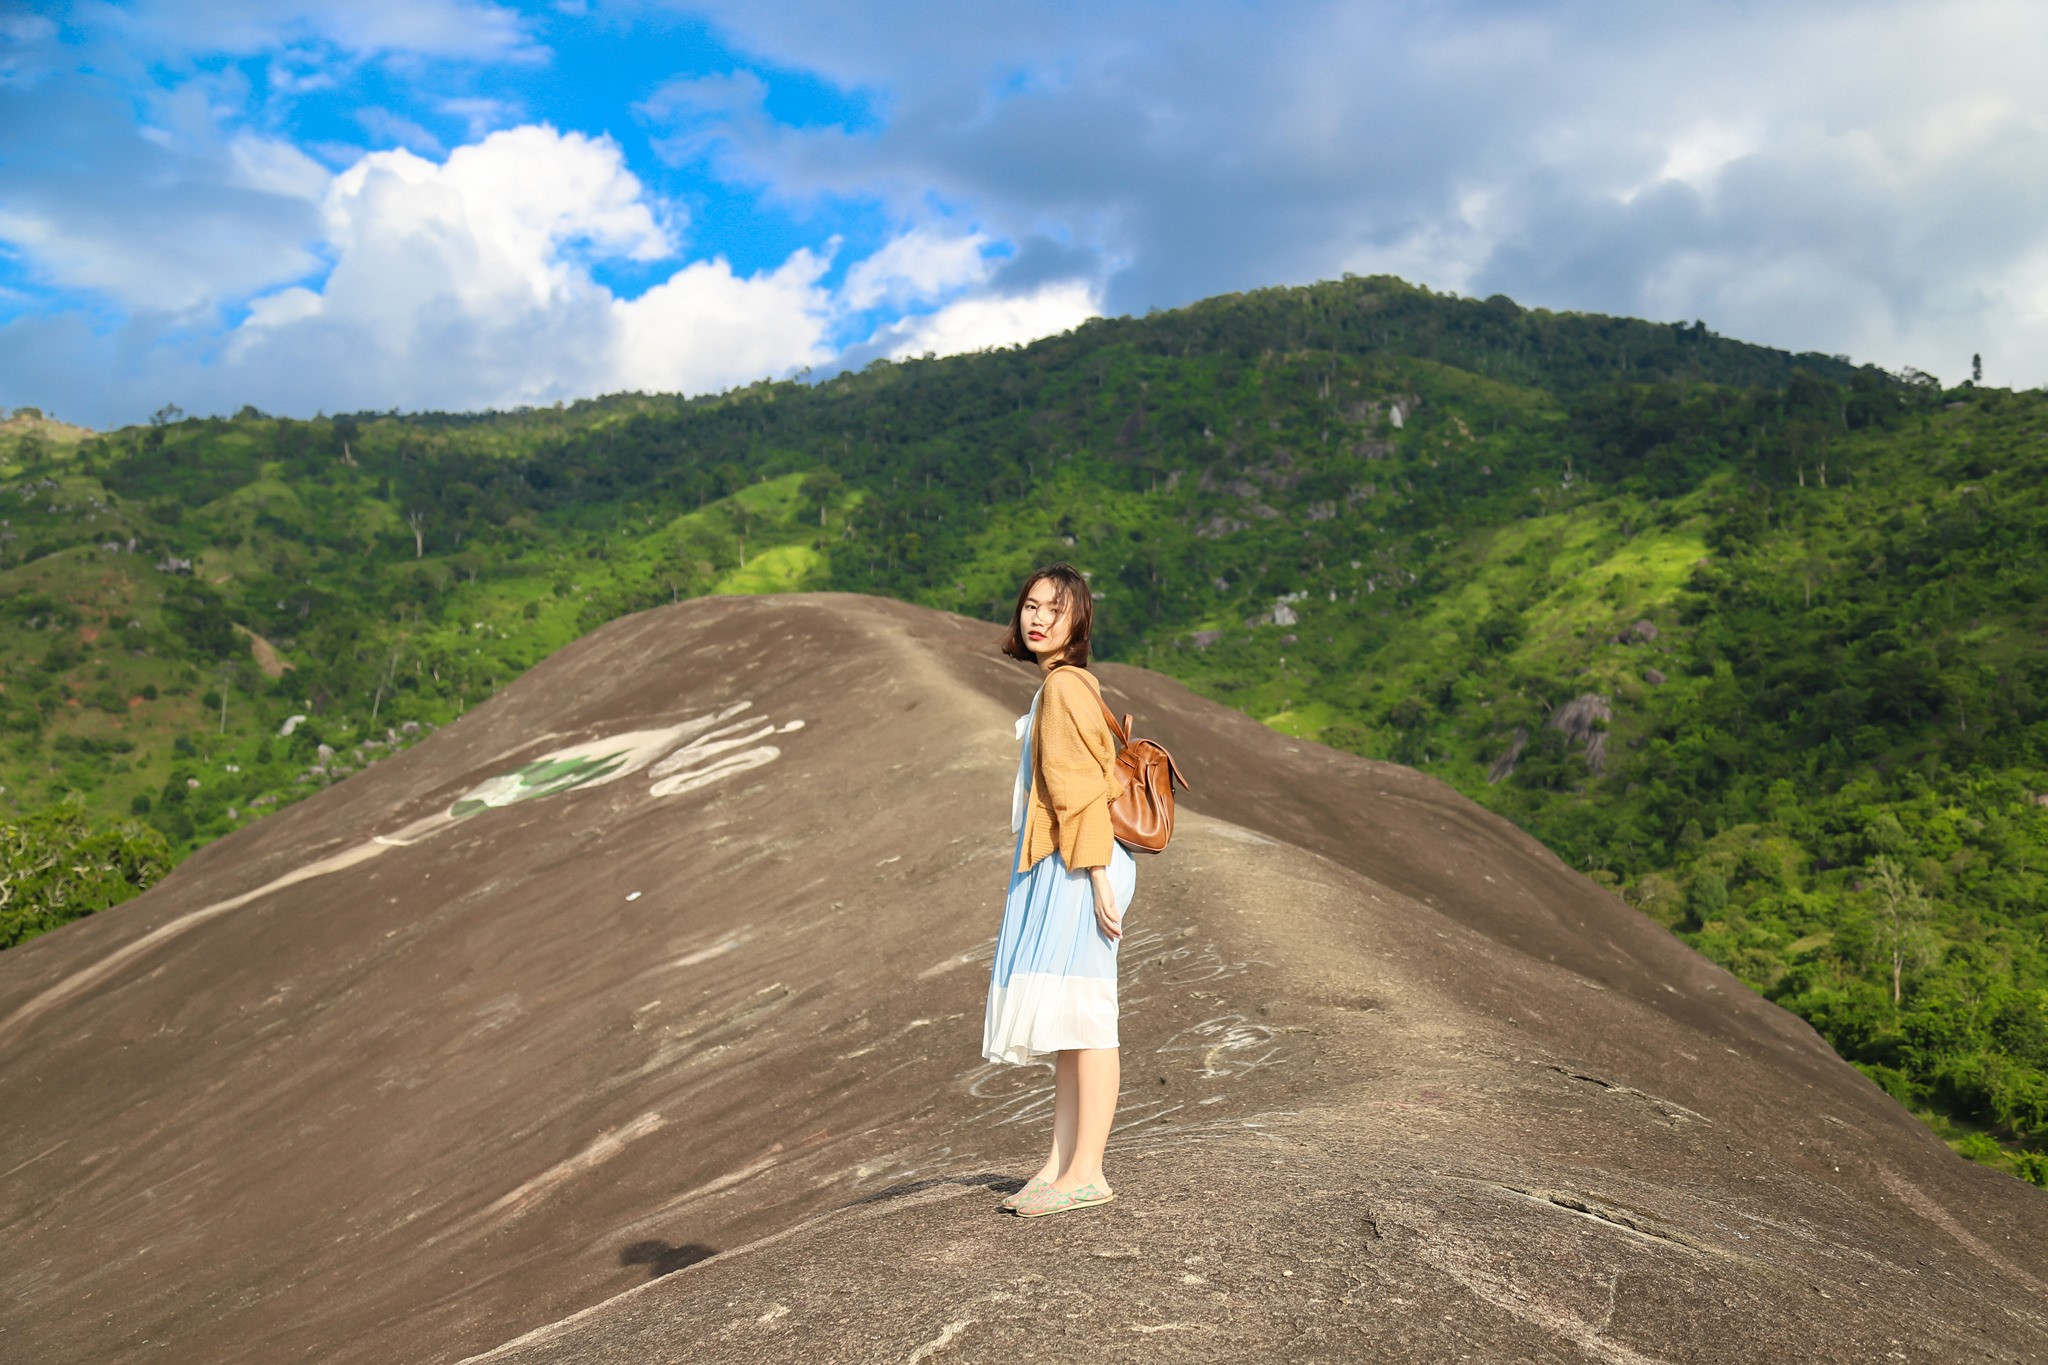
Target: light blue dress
[[1054, 982]]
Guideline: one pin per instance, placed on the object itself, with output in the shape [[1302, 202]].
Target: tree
[[387, 684], [822, 490], [1500, 630], [224, 671], [417, 519], [1905, 910], [1976, 369], [1706, 898]]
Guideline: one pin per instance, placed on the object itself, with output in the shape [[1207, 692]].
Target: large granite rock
[[666, 1049]]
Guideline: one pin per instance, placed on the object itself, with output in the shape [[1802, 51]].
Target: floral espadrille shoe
[[1051, 1200], [1031, 1187]]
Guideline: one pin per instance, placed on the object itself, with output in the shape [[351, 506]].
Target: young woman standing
[[1053, 988]]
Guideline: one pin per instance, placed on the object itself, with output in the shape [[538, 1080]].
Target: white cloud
[[270, 165], [1697, 155], [460, 283], [467, 283], [397, 130], [920, 264], [705, 328], [274, 311], [473, 281], [989, 321], [174, 216], [495, 216], [1870, 179], [480, 114], [432, 28], [1888, 161]]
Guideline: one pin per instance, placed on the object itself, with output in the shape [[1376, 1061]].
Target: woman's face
[[1045, 620]]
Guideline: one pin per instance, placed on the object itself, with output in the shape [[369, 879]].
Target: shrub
[[1347, 736], [172, 820], [60, 865], [1978, 1147], [1705, 898]]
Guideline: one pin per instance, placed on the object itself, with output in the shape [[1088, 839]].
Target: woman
[[1053, 989]]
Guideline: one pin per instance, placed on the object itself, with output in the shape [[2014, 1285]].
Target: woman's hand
[[1109, 916]]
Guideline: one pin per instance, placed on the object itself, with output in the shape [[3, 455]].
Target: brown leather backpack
[[1142, 818]]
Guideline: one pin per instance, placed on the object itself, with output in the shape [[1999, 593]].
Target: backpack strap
[[1122, 735], [1121, 732]]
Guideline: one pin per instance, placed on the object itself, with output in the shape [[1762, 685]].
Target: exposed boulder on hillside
[[1584, 720], [635, 1018], [1503, 767], [1640, 632]]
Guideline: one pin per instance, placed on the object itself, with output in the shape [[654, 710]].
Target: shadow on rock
[[1002, 1184], [662, 1259]]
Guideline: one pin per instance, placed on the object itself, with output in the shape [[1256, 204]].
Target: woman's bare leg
[[1097, 1077], [1066, 1106]]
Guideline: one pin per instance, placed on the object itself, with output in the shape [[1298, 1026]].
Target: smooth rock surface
[[667, 1050]]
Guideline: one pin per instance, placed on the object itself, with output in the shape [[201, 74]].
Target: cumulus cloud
[[458, 283], [1869, 179], [137, 176], [471, 282], [1847, 178], [920, 264], [170, 215], [705, 328], [468, 283], [945, 293], [988, 321]]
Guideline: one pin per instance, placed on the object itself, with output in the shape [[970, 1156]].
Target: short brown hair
[[1073, 587]]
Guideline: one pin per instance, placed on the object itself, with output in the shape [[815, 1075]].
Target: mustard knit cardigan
[[1073, 774]]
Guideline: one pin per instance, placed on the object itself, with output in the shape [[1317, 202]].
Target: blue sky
[[313, 205]]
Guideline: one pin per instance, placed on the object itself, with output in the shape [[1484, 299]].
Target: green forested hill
[[1750, 637]]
